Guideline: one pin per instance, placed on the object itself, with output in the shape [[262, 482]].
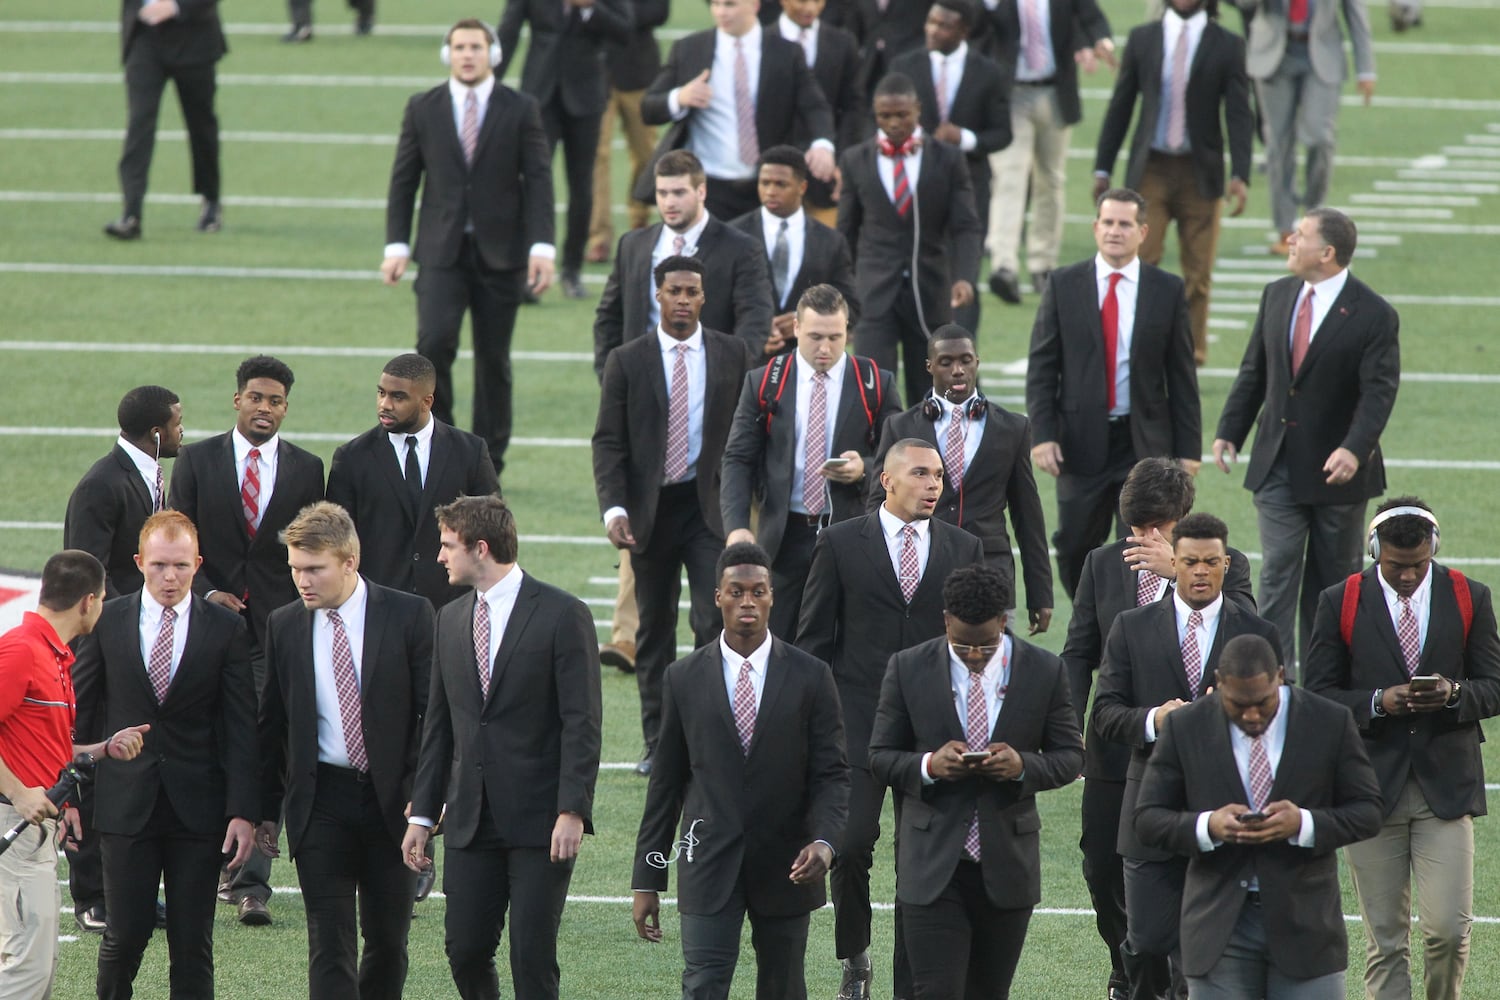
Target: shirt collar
[[805, 371], [792, 31], [507, 586], [949, 408], [1131, 271], [242, 446], [354, 604], [751, 38], [690, 236], [153, 608], [1329, 288], [1419, 597], [142, 461], [43, 628], [1195, 23], [993, 670], [954, 58], [794, 222], [891, 525], [482, 91], [669, 343], [1210, 614], [758, 658], [423, 436]]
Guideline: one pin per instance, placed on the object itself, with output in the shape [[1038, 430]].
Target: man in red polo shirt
[[36, 740]]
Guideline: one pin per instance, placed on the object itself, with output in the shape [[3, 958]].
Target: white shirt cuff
[[546, 250], [1205, 842], [398, 249], [967, 140], [613, 513], [927, 778], [674, 107], [1151, 725], [821, 144], [586, 13], [421, 821], [1304, 836]]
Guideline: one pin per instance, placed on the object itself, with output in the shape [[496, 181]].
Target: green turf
[[550, 486]]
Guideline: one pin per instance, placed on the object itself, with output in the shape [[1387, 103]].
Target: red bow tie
[[911, 145]]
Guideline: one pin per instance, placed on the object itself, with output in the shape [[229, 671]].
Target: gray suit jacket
[[1325, 42]]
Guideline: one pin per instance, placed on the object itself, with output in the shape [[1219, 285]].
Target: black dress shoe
[[254, 913], [572, 286], [1117, 993], [425, 881], [644, 767], [91, 920], [300, 33], [365, 24], [1003, 283], [126, 227], [855, 982], [212, 219]]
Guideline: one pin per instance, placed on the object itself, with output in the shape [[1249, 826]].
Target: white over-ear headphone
[[1372, 543], [446, 52]]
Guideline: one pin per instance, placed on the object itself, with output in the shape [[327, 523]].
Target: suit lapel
[[437, 465], [519, 616], [287, 470], [375, 625], [1091, 337], [1166, 633], [880, 556], [1279, 315], [191, 650], [135, 661], [1339, 314], [499, 105], [850, 417], [304, 675], [133, 479], [227, 474], [385, 458], [775, 681], [1374, 609]]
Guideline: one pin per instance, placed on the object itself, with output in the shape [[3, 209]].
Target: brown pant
[[640, 140], [1171, 192]]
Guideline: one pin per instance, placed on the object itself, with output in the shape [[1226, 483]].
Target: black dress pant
[[680, 539], [962, 946], [849, 880], [1152, 953], [1088, 504], [1103, 868], [347, 853], [301, 10], [711, 950], [579, 135], [968, 316], [491, 299], [85, 865], [900, 330], [147, 70], [134, 865], [789, 574]]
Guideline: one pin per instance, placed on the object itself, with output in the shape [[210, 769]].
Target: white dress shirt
[[887, 168], [1126, 293], [662, 251], [804, 402], [1421, 604], [796, 245], [1048, 69], [150, 626], [1324, 293], [758, 662], [996, 679], [715, 134], [805, 37], [1172, 26], [146, 465], [697, 377], [956, 61], [890, 526], [424, 448], [1206, 633], [331, 746], [502, 601], [267, 464], [973, 429]]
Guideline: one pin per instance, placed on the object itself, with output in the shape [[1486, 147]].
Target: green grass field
[[82, 319]]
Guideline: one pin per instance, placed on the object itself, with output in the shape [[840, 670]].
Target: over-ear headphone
[[973, 409], [1372, 542], [446, 52]]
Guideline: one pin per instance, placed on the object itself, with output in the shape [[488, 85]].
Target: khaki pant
[[1171, 192], [627, 620], [640, 140], [28, 910], [1038, 156]]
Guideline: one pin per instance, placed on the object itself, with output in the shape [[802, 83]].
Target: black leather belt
[[1049, 82]]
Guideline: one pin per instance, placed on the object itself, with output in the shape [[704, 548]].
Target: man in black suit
[[565, 72], [300, 12], [875, 588], [1129, 573], [664, 416], [803, 462], [1110, 379], [1261, 911], [104, 517], [1410, 648], [752, 759], [762, 95], [885, 31], [242, 488], [986, 466], [833, 56], [965, 101], [1185, 69], [1158, 658], [163, 40], [392, 478], [1321, 369], [180, 664], [969, 840], [481, 245], [905, 203], [800, 251], [347, 671], [515, 681]]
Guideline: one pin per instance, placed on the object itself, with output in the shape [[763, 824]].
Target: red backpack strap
[[1465, 599], [871, 412], [1350, 608], [774, 377]]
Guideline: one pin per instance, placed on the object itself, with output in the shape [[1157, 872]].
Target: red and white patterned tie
[[250, 490], [744, 707], [1147, 588], [942, 88], [347, 685], [978, 734], [679, 244], [1410, 636], [159, 668], [1260, 774], [1177, 99], [816, 450], [911, 571], [1031, 28], [1192, 658], [470, 132], [677, 418], [744, 108], [953, 448], [482, 643]]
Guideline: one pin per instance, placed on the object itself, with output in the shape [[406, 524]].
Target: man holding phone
[[1411, 648]]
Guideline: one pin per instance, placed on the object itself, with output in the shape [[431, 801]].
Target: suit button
[[1291, 392], [417, 556], [483, 724], [1244, 885]]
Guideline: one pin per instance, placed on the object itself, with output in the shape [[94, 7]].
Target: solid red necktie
[[1109, 319]]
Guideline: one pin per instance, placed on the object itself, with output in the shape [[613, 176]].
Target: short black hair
[[784, 156], [145, 407], [69, 577], [1201, 526], [948, 331], [263, 366], [676, 262], [896, 85], [1248, 655], [413, 368], [1404, 531], [967, 11], [1125, 195], [976, 593], [1338, 231], [741, 554], [1157, 491]]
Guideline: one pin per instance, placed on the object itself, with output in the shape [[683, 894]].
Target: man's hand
[[414, 848], [620, 535], [69, 828], [811, 863], [1224, 824], [1048, 457], [1039, 618], [1341, 466], [775, 340], [539, 273], [127, 743], [645, 910], [949, 133], [1086, 60], [785, 325], [962, 295], [851, 471], [1222, 450], [1151, 551], [392, 268], [838, 184], [1283, 822], [1104, 48], [696, 93], [1236, 196], [266, 837], [1165, 709], [157, 11], [1003, 764], [820, 163], [33, 804], [1402, 700], [240, 838], [225, 599], [1366, 90], [739, 535], [1101, 185], [567, 834], [947, 762]]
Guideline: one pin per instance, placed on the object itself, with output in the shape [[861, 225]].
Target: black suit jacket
[[736, 289], [1106, 587], [529, 751], [1074, 25], [394, 676], [206, 487], [917, 716], [981, 104], [1065, 378], [193, 36], [885, 34], [1143, 669], [790, 108], [825, 261], [105, 513], [1341, 397], [1440, 749], [1324, 770], [838, 68], [506, 193], [758, 466], [999, 476], [747, 814], [565, 51], [401, 539], [634, 63], [630, 438], [853, 617], [1216, 79], [201, 749], [882, 241]]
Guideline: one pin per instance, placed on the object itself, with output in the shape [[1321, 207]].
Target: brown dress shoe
[[254, 913], [620, 655]]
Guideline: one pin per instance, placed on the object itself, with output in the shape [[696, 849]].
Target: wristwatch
[[1453, 698]]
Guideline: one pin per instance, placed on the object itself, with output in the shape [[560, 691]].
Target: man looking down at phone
[[1410, 647], [1260, 909]]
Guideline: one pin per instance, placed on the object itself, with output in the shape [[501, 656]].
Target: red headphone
[[911, 145]]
